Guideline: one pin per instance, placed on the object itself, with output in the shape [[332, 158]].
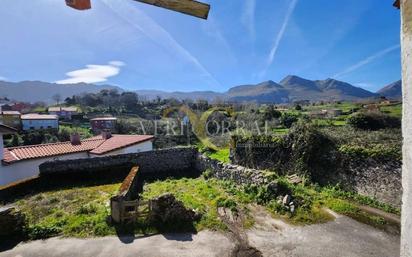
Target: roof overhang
[[397, 4], [7, 130], [189, 7]]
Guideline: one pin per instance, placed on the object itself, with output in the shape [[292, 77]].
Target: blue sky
[[138, 46]]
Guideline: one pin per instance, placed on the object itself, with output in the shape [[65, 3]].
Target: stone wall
[[152, 164], [379, 179], [12, 222], [236, 173]]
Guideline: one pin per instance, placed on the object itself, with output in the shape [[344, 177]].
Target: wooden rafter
[[397, 4], [190, 7]]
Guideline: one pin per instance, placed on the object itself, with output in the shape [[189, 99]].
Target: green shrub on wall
[[375, 151], [373, 121]]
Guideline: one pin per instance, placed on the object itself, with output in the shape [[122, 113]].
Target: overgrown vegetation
[[373, 121], [84, 211], [77, 212]]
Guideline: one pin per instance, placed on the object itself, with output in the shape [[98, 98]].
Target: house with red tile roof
[[63, 112], [22, 162]]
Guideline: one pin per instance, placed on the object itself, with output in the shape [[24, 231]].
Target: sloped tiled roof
[[96, 145], [119, 141], [58, 109], [6, 129], [10, 113]]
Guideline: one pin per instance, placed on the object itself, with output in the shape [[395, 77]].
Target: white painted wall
[[142, 147], [406, 41], [30, 168], [27, 124]]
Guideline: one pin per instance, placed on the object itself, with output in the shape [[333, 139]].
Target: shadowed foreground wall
[[406, 41], [152, 164]]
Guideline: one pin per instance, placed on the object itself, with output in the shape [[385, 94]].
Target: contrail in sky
[[366, 61], [279, 36]]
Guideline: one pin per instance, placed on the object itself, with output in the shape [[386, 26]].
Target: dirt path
[[343, 237], [203, 244], [234, 222]]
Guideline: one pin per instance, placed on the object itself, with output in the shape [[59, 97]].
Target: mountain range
[[38, 91], [290, 89], [392, 91]]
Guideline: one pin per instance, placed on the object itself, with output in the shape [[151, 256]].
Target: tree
[[288, 119], [271, 113], [70, 100], [298, 107], [57, 98], [129, 100]]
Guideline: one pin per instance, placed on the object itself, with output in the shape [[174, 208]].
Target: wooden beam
[[397, 4], [190, 7], [79, 4]]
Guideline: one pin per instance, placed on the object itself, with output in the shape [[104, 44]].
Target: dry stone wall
[[379, 179], [236, 173]]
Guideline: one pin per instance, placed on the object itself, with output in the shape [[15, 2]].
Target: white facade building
[[34, 121]]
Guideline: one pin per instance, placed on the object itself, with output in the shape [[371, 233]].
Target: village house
[[11, 118], [63, 112], [100, 124], [318, 114], [34, 121], [332, 113], [22, 162]]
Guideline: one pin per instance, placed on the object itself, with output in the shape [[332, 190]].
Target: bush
[[373, 121], [288, 119], [43, 231]]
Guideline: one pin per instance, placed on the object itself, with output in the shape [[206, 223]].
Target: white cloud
[[248, 17], [117, 63], [2, 78], [366, 61], [279, 36], [93, 73]]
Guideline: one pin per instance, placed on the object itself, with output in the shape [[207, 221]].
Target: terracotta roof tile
[[120, 141], [95, 145]]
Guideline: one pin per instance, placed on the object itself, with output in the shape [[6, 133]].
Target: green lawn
[[344, 106], [393, 110], [221, 155], [281, 131], [329, 122]]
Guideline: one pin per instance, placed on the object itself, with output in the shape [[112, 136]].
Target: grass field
[[393, 110], [78, 212], [344, 106]]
